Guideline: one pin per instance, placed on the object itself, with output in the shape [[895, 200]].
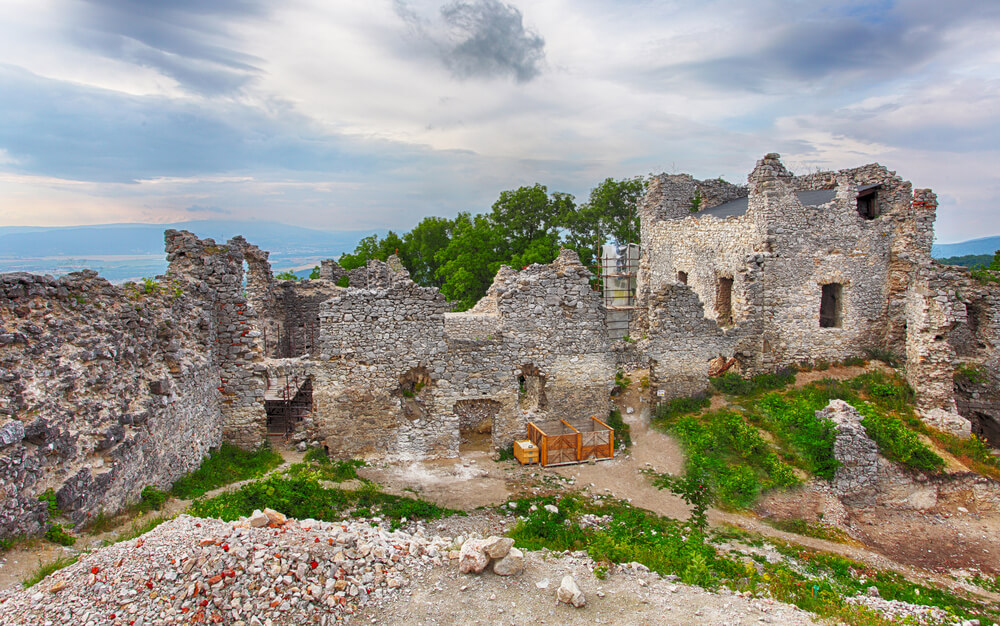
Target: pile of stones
[[254, 571], [477, 554]]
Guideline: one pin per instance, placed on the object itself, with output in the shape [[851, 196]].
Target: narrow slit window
[[724, 302], [682, 278], [831, 306]]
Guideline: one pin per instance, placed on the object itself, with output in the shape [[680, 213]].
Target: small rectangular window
[[868, 203], [682, 278], [830, 306], [724, 302]]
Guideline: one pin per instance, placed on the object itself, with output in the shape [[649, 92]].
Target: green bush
[[735, 461], [888, 357], [226, 465], [344, 281], [792, 420], [735, 385], [334, 471], [302, 497], [897, 442], [622, 437], [48, 498], [57, 534], [152, 499]]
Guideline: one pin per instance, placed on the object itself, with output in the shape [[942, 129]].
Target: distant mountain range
[[127, 239], [984, 245], [122, 252]]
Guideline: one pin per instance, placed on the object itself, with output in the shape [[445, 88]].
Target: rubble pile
[[192, 570]]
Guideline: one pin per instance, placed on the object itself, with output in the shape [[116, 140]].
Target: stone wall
[[856, 479], [772, 259], [398, 372], [103, 390], [952, 356], [216, 274]]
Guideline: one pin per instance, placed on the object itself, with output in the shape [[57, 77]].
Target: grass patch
[[814, 581], [804, 528], [227, 465], [333, 471], [302, 497], [973, 452], [730, 456], [791, 419], [728, 452], [672, 409], [735, 385], [622, 437], [48, 568], [899, 443]]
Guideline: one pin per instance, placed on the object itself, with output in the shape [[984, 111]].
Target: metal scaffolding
[[288, 400]]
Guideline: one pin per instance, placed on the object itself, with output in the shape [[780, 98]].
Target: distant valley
[[123, 252]]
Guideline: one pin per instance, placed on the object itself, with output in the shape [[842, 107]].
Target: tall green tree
[[607, 216], [470, 260], [529, 213], [422, 245]]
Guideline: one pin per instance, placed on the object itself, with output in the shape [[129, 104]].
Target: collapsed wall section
[[952, 355]]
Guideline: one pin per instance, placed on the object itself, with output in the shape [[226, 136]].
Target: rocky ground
[[193, 570], [197, 571]]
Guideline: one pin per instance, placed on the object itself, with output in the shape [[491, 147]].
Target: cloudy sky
[[361, 114]]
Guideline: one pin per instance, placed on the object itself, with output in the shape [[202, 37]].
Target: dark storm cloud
[[834, 47], [484, 39], [493, 41], [184, 39]]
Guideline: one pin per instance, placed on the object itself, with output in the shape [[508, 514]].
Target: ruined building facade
[[810, 269], [105, 389]]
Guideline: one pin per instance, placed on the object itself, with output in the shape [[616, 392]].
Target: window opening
[[682, 278], [724, 302], [868, 202], [831, 307]]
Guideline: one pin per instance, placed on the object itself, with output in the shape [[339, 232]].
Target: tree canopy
[[526, 225]]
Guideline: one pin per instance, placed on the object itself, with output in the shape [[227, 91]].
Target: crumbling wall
[[952, 355], [682, 342], [856, 479], [370, 339], [216, 274], [398, 370], [103, 390], [762, 267]]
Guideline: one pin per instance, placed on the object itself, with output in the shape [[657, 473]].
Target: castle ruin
[[105, 389]]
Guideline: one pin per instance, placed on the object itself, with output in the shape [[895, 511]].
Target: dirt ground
[[625, 596]]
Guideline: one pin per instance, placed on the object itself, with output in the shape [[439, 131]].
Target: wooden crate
[[526, 452], [560, 442]]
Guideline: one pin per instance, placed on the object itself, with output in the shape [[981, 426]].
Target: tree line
[[527, 225]]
